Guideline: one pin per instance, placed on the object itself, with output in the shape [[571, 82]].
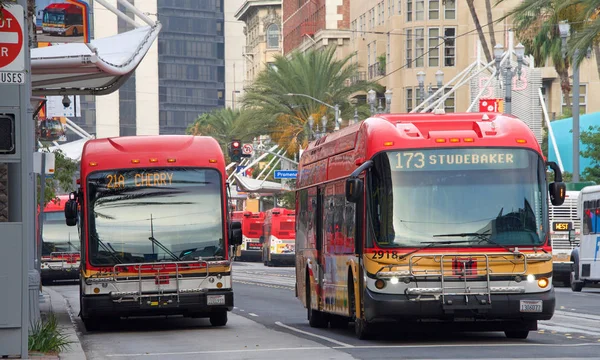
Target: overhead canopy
[[96, 68], [259, 186], [72, 149]]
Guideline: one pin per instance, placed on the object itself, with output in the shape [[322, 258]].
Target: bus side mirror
[[71, 212], [235, 237], [354, 189], [557, 192]]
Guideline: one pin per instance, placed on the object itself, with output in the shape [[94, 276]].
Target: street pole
[[336, 109], [42, 195], [575, 111], [508, 89]]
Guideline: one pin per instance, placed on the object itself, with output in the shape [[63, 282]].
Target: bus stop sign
[[12, 54]]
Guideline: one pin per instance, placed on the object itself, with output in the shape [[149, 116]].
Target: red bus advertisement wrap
[[421, 218], [155, 229], [252, 231], [278, 237], [60, 243]]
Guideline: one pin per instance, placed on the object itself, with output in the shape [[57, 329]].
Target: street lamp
[[564, 29], [311, 123], [421, 80], [508, 73], [439, 79], [388, 100], [371, 98], [336, 107]]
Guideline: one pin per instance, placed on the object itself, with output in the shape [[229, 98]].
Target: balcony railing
[[360, 76], [376, 70]]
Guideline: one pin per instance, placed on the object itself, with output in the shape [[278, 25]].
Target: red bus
[[278, 237], [155, 229], [252, 231], [421, 218], [60, 244], [63, 19]]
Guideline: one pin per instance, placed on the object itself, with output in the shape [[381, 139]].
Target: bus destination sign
[[459, 159]]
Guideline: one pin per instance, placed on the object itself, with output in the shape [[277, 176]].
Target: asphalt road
[[268, 322]]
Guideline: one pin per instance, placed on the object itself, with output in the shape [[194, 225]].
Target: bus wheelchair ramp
[[465, 281], [155, 284]]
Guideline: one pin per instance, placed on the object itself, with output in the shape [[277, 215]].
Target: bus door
[[320, 242]]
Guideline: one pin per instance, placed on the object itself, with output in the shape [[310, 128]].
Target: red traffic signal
[[235, 144]]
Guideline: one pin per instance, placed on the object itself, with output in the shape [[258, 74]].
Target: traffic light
[[7, 134], [235, 150]]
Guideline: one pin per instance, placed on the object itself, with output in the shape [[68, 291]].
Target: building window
[[419, 10], [450, 10], [449, 103], [273, 36], [382, 13], [372, 18], [354, 28], [449, 47], [582, 100], [409, 48], [434, 47], [409, 99], [409, 10], [368, 55], [388, 54], [399, 7], [434, 9], [419, 47]]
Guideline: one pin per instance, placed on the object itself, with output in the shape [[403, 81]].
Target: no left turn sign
[[12, 57]]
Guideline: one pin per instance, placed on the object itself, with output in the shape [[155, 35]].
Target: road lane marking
[[252, 314], [321, 348], [568, 329], [577, 315], [342, 344]]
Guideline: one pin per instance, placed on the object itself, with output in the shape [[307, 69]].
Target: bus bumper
[[288, 259], [59, 274], [254, 255], [192, 305], [561, 271], [385, 307]]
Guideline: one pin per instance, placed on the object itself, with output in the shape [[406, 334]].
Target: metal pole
[[575, 104], [508, 87], [41, 200]]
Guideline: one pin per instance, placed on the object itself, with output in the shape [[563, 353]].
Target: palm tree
[[536, 26], [587, 36], [316, 73], [219, 124], [482, 39]]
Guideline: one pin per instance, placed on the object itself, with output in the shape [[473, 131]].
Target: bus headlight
[[530, 278], [543, 282], [394, 280]]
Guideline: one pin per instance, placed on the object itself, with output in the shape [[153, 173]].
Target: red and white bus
[[278, 237], [60, 243], [155, 229], [426, 219], [252, 231]]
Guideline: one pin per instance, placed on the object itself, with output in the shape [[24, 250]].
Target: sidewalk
[[55, 302]]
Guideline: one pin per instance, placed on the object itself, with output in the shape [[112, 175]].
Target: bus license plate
[[532, 306], [215, 300]]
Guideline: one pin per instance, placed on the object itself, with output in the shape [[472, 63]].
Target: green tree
[[219, 124], [317, 73], [591, 139], [536, 26], [587, 36], [62, 182]]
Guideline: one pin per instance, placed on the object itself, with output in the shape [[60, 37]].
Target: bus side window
[[587, 218]]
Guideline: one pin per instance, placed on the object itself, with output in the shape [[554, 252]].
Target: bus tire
[[92, 324], [316, 318], [362, 329], [519, 334], [75, 32], [219, 318], [576, 285]]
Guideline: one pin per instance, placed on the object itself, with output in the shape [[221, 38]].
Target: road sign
[[491, 105], [286, 174], [12, 53], [247, 150]]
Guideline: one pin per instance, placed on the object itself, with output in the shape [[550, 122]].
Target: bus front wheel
[[576, 284], [517, 334], [218, 319], [316, 318]]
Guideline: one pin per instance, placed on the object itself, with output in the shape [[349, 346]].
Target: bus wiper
[[433, 244], [164, 248], [482, 237], [110, 251]]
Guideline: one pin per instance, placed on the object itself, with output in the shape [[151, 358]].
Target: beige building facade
[[262, 19], [235, 39]]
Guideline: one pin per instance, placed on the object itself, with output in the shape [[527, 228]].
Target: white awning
[[96, 68], [72, 149], [258, 186]]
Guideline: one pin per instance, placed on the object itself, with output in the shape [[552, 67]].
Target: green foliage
[[382, 62], [591, 138], [287, 199], [65, 170], [219, 124], [46, 337], [316, 73]]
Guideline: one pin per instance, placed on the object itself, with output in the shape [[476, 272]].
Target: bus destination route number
[[159, 178]]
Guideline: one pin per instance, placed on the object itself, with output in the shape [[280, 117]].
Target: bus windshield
[[481, 196], [150, 215], [57, 236], [54, 17]]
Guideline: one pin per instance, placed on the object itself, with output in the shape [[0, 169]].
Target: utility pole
[[575, 111]]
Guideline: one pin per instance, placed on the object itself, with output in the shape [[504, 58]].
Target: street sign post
[[286, 174], [12, 52], [491, 105], [247, 150]]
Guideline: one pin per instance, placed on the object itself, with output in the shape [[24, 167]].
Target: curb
[[61, 308]]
